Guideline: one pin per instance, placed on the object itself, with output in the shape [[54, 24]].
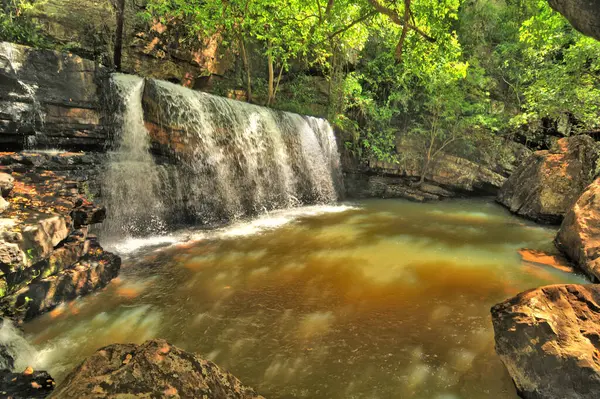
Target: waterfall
[[131, 185], [15, 352], [216, 159]]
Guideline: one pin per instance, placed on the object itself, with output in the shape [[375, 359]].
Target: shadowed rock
[[549, 341], [29, 384], [154, 369], [584, 15]]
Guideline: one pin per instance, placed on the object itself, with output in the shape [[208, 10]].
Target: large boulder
[[579, 234], [583, 14], [547, 184], [154, 369], [549, 340]]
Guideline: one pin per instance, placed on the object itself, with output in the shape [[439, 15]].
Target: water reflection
[[388, 299]]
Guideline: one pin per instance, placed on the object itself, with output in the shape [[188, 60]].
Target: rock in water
[[549, 340], [549, 182], [579, 234], [154, 369]]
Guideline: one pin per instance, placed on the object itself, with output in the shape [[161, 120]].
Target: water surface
[[382, 299]]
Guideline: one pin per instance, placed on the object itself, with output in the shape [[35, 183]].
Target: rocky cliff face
[[50, 100], [583, 14], [448, 175]]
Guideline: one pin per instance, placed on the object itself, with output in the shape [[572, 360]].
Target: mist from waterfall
[[225, 159]]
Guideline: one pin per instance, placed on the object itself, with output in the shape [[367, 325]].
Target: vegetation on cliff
[[459, 76]]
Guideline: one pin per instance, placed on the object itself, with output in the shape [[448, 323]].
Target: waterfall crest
[[215, 159]]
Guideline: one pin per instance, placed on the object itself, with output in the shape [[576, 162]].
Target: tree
[[118, 49]]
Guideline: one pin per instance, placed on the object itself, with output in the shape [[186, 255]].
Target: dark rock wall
[[50, 100]]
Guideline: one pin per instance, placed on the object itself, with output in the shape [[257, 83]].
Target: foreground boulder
[[154, 369], [579, 234], [549, 340], [549, 182]]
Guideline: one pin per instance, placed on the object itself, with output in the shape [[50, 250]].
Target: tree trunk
[[118, 49], [271, 78], [247, 67]]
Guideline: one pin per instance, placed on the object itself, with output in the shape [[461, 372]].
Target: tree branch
[[403, 22], [349, 26]]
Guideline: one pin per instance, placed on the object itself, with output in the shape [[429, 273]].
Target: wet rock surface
[[549, 341], [545, 186], [152, 369], [579, 234]]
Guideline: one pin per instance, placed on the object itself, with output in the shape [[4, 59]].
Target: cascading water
[[225, 159], [15, 352], [131, 185]]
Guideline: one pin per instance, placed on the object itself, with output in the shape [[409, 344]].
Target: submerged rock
[[579, 234], [545, 186], [549, 341], [154, 369], [536, 257]]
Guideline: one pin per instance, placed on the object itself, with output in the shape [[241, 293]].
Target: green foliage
[[16, 26], [469, 74], [562, 74]]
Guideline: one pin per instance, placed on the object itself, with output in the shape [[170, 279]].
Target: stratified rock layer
[[549, 340], [154, 369], [49, 99], [579, 234], [47, 255], [547, 184]]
